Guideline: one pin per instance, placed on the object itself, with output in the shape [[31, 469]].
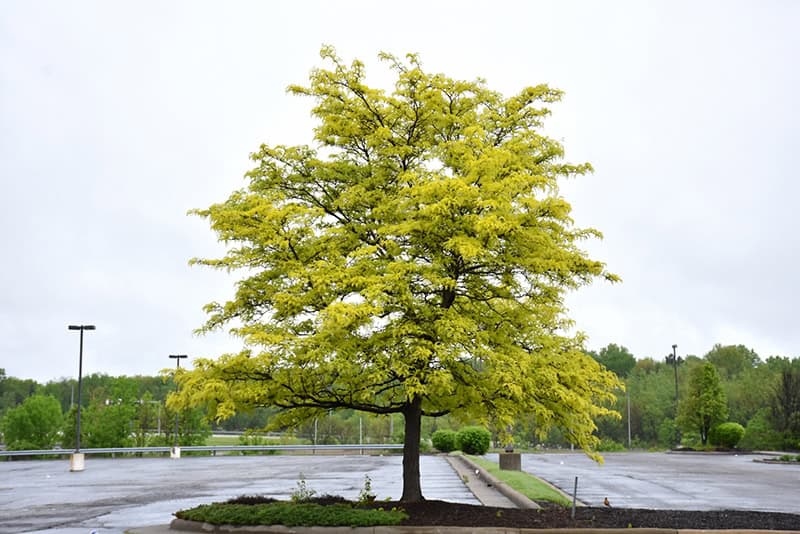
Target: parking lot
[[680, 481], [114, 494]]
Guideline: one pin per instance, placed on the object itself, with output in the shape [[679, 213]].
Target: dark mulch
[[440, 513]]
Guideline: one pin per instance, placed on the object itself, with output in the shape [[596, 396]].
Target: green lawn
[[222, 440], [525, 483]]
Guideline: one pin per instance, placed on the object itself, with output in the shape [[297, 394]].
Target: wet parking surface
[[114, 494], [680, 481]]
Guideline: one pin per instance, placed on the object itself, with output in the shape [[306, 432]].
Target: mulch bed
[[440, 513]]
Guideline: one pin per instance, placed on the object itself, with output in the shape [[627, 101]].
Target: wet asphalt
[[112, 495], [678, 481]]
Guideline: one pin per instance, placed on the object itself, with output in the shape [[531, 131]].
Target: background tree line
[[728, 384], [115, 412]]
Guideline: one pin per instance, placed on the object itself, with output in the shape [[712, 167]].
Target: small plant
[[302, 493], [365, 495]]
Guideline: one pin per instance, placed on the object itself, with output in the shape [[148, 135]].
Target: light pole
[[674, 360], [675, 366], [178, 358], [628, 399], [76, 462]]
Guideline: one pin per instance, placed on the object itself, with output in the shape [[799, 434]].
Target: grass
[[222, 440], [525, 483], [292, 514]]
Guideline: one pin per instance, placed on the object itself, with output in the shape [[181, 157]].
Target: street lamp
[[674, 360], [76, 463], [178, 358]]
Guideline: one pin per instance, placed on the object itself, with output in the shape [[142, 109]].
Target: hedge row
[[470, 440]]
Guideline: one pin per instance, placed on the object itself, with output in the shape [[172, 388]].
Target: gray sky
[[118, 117]]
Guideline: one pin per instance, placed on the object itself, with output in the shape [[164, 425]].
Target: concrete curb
[[179, 525], [519, 500], [486, 493]]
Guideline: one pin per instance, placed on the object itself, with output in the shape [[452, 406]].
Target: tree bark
[[412, 490]]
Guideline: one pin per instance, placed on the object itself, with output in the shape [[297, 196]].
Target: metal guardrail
[[206, 448]]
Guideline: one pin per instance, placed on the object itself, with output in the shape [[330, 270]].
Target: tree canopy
[[706, 405], [732, 360], [33, 424], [414, 261], [616, 358]]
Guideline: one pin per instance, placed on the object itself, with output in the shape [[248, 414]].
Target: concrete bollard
[[510, 461], [76, 461]]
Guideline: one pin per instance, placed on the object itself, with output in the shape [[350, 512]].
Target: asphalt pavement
[[112, 495], [678, 481]]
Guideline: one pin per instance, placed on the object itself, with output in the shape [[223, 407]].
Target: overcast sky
[[118, 117]]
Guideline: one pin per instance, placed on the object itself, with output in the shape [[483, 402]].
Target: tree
[[34, 424], [14, 391], [652, 393], [706, 404], [616, 358], [731, 360], [750, 391], [786, 406], [416, 264]]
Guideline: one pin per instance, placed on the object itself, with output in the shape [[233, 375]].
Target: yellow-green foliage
[[417, 256]]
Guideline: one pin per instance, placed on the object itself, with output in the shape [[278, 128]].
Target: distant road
[[681, 481]]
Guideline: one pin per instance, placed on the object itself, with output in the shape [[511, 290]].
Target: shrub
[[445, 440], [609, 445], [726, 435], [425, 445], [291, 514], [759, 433], [667, 433], [474, 440]]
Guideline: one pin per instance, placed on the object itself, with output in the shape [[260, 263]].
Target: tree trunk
[[412, 491]]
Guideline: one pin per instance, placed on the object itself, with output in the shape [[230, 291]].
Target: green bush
[[445, 440], [667, 433], [291, 514], [726, 435], [425, 445], [759, 433], [474, 440], [609, 445]]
